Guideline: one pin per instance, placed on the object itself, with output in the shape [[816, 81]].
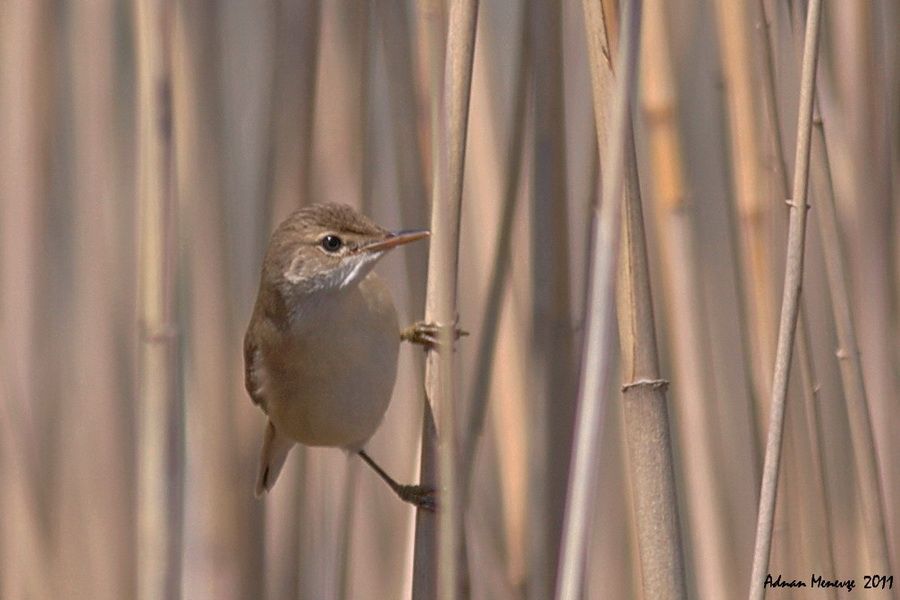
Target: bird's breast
[[331, 377]]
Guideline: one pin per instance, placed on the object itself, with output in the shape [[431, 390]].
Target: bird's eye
[[331, 243]]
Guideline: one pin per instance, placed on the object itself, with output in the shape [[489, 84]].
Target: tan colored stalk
[[440, 306], [596, 372], [790, 305], [497, 383], [26, 60], [861, 168], [368, 55], [753, 215], [294, 95], [815, 523], [226, 538], [706, 516], [425, 554], [551, 402], [159, 462], [396, 39], [500, 267], [424, 584], [488, 568], [643, 393], [775, 162], [346, 514], [92, 420], [644, 403], [431, 21], [19, 500], [864, 452], [816, 541]]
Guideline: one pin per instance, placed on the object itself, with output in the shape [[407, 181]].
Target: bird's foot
[[420, 496], [427, 334]]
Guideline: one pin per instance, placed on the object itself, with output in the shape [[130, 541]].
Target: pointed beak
[[395, 239]]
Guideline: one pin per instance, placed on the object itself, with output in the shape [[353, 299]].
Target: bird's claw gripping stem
[[419, 496], [427, 334]]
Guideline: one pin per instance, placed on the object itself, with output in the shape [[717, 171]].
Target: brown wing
[[251, 372]]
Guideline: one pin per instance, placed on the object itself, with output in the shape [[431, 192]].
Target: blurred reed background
[[149, 148]]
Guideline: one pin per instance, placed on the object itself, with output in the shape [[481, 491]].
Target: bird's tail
[[274, 452]]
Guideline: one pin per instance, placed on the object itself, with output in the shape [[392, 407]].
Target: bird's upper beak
[[395, 239]]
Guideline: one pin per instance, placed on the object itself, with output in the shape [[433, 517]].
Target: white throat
[[315, 295]]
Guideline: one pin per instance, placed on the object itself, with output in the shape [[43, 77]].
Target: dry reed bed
[[151, 146]]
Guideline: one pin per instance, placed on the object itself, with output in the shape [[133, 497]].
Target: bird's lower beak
[[396, 239]]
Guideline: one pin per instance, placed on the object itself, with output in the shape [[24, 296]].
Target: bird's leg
[[418, 495], [428, 333]]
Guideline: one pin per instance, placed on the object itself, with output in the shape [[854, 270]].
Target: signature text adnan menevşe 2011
[[870, 582]]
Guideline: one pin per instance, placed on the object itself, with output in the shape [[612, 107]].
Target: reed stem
[[790, 304]]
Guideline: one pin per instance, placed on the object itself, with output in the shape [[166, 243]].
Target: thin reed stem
[[816, 522], [695, 413], [396, 38], [644, 401], [864, 451], [500, 267], [753, 215], [777, 166], [425, 560], [160, 463], [660, 556], [20, 503], [28, 568], [790, 304], [440, 304], [397, 42], [295, 79], [551, 403]]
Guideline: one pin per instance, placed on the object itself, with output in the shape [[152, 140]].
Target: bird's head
[[328, 247]]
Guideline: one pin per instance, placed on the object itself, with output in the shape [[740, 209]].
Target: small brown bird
[[320, 353]]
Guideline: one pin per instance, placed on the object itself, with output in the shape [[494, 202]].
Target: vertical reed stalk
[[862, 73], [397, 40], [864, 450], [816, 538], [432, 22], [643, 392], [597, 363], [346, 514], [424, 585], [367, 59], [29, 567], [790, 304], [551, 409], [28, 563], [707, 516], [294, 95], [160, 441], [226, 539], [425, 578], [753, 214], [776, 163], [644, 399], [816, 522], [440, 306], [405, 120], [499, 273], [94, 422]]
